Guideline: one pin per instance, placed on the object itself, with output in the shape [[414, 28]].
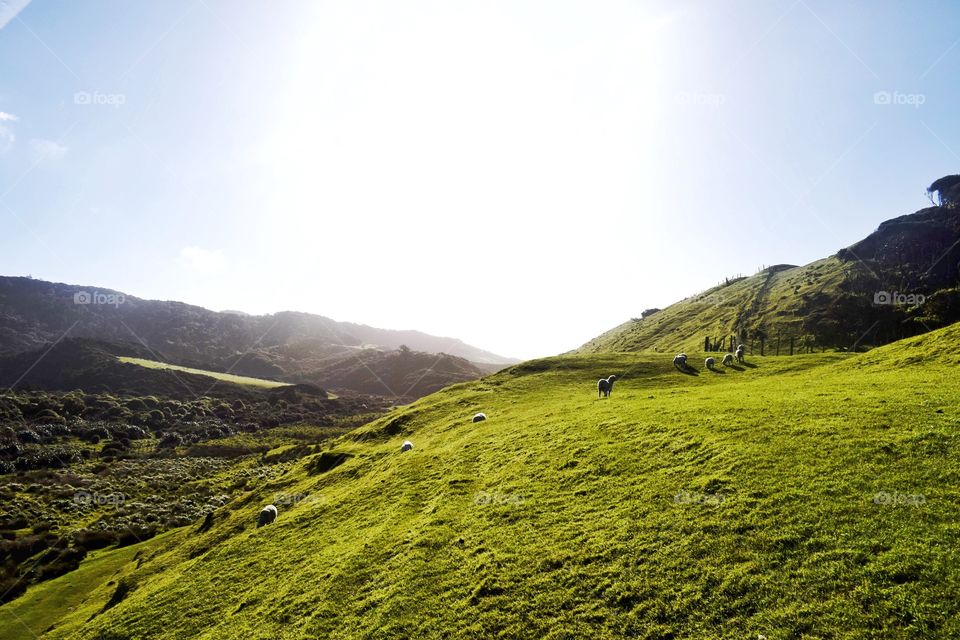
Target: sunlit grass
[[812, 496], [226, 377]]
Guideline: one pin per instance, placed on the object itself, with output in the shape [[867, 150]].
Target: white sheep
[[267, 515], [739, 354], [680, 361], [480, 417], [709, 362], [605, 386], [406, 446], [728, 360]]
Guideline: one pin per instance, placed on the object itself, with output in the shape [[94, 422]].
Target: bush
[[57, 562], [133, 535], [170, 441], [117, 412], [136, 404], [153, 418], [49, 415], [74, 405], [136, 433], [11, 587], [27, 436], [91, 539]]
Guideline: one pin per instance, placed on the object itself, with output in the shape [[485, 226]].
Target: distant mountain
[[93, 366], [34, 312], [290, 346], [899, 281]]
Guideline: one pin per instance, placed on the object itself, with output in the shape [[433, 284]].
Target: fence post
[[791, 345]]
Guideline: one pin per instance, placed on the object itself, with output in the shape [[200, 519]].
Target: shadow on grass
[[714, 370], [687, 369], [748, 364], [735, 367]]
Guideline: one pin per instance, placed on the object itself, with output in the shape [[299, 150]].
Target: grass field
[[813, 496], [226, 377]]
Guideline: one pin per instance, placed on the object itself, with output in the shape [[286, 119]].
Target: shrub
[[119, 413], [136, 433], [170, 441], [57, 562], [73, 404], [27, 436], [155, 418], [11, 587], [133, 535], [136, 404], [91, 539]]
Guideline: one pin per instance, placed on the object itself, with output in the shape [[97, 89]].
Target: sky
[[519, 175]]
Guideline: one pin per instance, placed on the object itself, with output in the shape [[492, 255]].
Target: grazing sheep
[[480, 417], [728, 360], [267, 515], [680, 361], [604, 387], [739, 354], [709, 362], [406, 446]]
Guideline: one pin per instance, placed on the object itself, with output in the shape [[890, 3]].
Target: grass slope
[[816, 496], [66, 602], [226, 377], [776, 299]]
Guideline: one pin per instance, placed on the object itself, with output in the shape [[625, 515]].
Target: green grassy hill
[[776, 300], [828, 303], [816, 496]]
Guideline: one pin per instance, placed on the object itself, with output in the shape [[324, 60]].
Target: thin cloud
[[203, 260], [6, 139], [9, 10], [42, 150]]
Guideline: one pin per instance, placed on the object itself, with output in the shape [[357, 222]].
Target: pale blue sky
[[521, 175]]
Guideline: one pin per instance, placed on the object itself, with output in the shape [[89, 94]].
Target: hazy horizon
[[520, 176]]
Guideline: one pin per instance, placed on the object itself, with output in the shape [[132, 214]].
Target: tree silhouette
[[947, 190]]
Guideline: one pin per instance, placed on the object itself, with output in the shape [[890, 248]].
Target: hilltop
[[899, 281], [790, 497]]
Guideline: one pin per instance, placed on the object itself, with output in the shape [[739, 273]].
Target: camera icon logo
[[882, 97], [882, 297], [82, 297], [82, 97]]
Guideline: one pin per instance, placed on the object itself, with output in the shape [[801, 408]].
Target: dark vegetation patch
[[327, 461]]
